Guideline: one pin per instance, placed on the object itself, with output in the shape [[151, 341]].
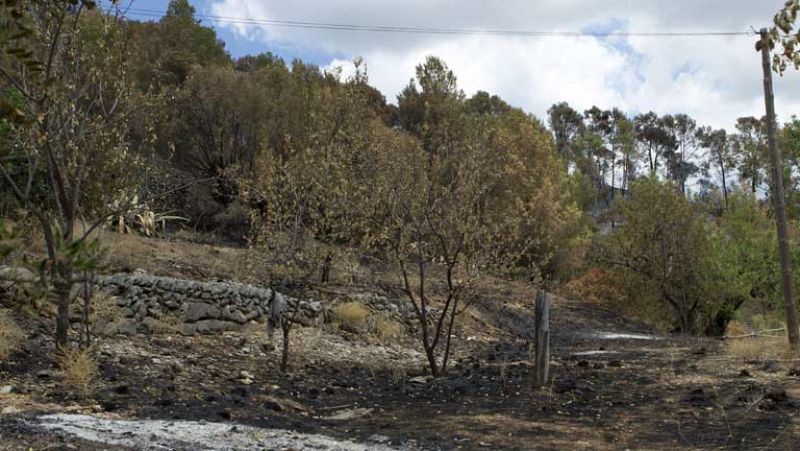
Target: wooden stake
[[777, 197], [542, 333]]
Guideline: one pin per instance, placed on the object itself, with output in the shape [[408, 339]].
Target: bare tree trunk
[[286, 328], [449, 336], [431, 355], [62, 291], [724, 184], [88, 294]]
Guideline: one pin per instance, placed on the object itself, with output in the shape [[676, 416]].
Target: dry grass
[[736, 328], [168, 324], [760, 348], [11, 335], [385, 328], [105, 314], [79, 371], [351, 315]]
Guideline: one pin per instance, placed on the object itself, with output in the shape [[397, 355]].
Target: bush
[[105, 314], [760, 348], [79, 370], [351, 316], [773, 320], [11, 335]]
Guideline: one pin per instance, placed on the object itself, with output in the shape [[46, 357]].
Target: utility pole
[[777, 197]]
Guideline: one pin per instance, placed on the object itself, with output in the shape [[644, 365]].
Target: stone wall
[[194, 307]]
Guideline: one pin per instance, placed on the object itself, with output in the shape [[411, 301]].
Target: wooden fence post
[[542, 333]]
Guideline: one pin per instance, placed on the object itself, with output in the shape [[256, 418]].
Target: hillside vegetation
[[144, 147]]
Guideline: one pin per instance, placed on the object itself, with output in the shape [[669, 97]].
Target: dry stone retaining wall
[[197, 307]]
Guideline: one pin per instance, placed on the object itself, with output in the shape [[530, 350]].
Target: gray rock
[[214, 325], [195, 311], [237, 317], [45, 374], [127, 328], [253, 314], [16, 274], [189, 329], [10, 410], [150, 323]]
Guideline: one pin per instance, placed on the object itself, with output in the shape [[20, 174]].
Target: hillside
[[616, 384]]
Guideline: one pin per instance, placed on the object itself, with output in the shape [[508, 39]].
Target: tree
[[719, 155], [315, 195], [663, 246], [431, 112], [72, 156], [744, 263], [483, 103], [566, 125], [597, 143], [789, 143], [654, 139], [624, 143], [750, 145], [680, 166], [478, 193], [166, 52]]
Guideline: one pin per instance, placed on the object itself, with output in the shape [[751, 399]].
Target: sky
[[713, 79]]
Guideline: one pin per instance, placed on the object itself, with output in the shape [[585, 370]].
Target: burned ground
[[616, 384]]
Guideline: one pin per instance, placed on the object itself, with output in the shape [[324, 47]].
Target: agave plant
[[142, 219]]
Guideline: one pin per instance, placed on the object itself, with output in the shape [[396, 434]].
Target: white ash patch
[[596, 352], [194, 435], [621, 336]]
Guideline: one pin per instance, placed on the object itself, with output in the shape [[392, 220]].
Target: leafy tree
[[430, 107], [663, 247], [166, 52], [478, 193], [71, 158], [719, 156], [623, 142], [484, 103], [566, 125], [789, 143], [680, 166], [744, 263], [597, 142], [750, 145], [654, 139]]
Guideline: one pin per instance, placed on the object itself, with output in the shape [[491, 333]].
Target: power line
[[440, 31]]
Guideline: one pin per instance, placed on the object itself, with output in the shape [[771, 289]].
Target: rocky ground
[[616, 384]]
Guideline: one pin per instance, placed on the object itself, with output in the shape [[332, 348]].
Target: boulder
[[195, 311], [214, 325], [128, 327]]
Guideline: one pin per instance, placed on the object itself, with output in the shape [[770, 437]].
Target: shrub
[[759, 348], [11, 335], [773, 320], [105, 314], [79, 371], [736, 328], [351, 316]]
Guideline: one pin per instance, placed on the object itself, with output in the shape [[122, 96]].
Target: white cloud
[[714, 79]]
